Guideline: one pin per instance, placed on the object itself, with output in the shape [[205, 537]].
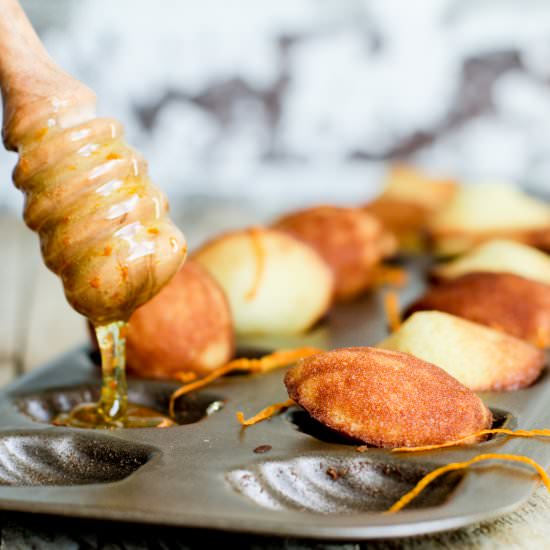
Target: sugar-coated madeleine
[[350, 240], [500, 256], [275, 283], [186, 327], [385, 398], [503, 301], [408, 199], [478, 213], [477, 356]]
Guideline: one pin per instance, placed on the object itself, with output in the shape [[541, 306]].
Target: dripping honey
[[113, 410], [89, 196]]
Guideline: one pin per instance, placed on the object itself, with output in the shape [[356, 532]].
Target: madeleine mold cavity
[[301, 421], [46, 405], [336, 485], [44, 458]]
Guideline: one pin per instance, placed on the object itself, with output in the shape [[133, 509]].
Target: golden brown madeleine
[[186, 327], [385, 398], [477, 356], [350, 240], [503, 301], [478, 213], [404, 219], [275, 283], [408, 200]]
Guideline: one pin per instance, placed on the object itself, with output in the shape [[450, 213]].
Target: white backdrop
[[304, 100]]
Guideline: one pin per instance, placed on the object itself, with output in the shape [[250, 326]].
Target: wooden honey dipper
[[103, 226]]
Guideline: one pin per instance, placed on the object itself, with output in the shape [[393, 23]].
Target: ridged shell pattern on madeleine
[[481, 358], [385, 398]]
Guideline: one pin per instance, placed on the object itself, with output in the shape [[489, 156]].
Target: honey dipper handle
[[33, 87], [19, 44]]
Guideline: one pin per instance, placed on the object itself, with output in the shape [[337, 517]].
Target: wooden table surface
[[36, 325]]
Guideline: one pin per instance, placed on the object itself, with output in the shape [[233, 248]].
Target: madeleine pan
[[288, 476]]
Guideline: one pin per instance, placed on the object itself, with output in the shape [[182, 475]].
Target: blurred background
[[297, 101], [257, 107]]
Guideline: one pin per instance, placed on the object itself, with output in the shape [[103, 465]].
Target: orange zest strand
[[264, 414], [255, 236], [505, 431], [391, 309], [274, 360], [427, 479], [390, 275]]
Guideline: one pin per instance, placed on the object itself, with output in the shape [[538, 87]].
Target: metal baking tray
[[211, 473]]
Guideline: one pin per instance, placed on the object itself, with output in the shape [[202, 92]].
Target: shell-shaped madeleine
[[480, 357], [385, 398], [350, 240], [410, 197], [478, 213], [503, 301], [187, 326], [275, 283], [499, 256]]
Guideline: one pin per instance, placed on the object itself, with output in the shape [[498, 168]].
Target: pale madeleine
[[477, 356], [275, 283], [484, 211], [501, 256]]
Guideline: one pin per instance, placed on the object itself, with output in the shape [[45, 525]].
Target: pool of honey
[[113, 410]]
